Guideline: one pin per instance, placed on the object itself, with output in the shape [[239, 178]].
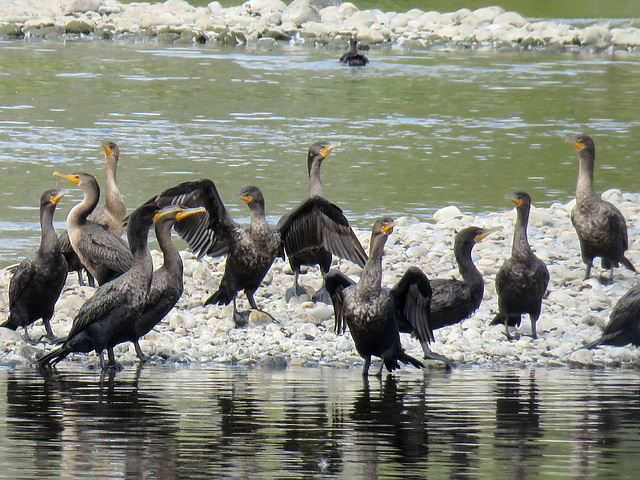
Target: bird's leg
[[534, 319], [100, 354], [240, 319], [322, 295], [435, 356], [587, 272], [379, 374], [92, 281], [296, 290], [27, 338], [139, 351], [365, 369], [506, 327], [111, 364], [80, 278], [49, 335]]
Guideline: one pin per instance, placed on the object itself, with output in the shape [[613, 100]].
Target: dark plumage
[[373, 313], [351, 57], [601, 228], [104, 254], [37, 282], [522, 280], [166, 285], [624, 322], [315, 226], [107, 318], [454, 300], [110, 215]]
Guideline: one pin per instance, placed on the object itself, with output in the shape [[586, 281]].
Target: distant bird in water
[[106, 319], [166, 286], [454, 300], [373, 313], [624, 322], [522, 281], [316, 228], [38, 280], [351, 57], [601, 227], [103, 253], [110, 215]]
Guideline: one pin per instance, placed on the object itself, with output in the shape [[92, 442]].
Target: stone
[[78, 27], [447, 213], [82, 6]]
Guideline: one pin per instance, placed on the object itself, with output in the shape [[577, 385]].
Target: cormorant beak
[[106, 149], [189, 211], [73, 178], [56, 198], [516, 201], [245, 197], [165, 211], [388, 228], [326, 151], [579, 145], [485, 232]]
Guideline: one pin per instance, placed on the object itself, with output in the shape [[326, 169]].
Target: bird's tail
[[53, 357], [409, 359], [8, 323], [497, 320], [627, 263], [603, 339], [221, 297]]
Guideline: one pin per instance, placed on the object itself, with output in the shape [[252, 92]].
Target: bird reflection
[[517, 422]]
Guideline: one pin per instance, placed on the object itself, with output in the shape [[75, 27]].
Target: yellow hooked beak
[[327, 150], [56, 198], [106, 149], [578, 145], [73, 178], [485, 232], [388, 228], [189, 211]]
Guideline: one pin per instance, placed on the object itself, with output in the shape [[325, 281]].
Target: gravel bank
[[573, 313], [315, 22]]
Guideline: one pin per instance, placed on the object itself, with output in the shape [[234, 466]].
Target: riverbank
[[315, 22], [573, 313]]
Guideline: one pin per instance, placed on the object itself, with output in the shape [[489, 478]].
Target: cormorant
[[323, 223], [166, 286], [104, 254], [373, 313], [351, 57], [601, 227], [38, 280], [624, 322], [107, 318], [454, 300], [110, 215], [522, 280]]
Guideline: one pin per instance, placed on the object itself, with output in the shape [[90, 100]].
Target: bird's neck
[[370, 283], [584, 184], [315, 184], [172, 259], [79, 213], [466, 267], [142, 260], [113, 198], [521, 247], [258, 223], [47, 233]]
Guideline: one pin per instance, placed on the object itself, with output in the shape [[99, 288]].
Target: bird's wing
[[107, 300], [335, 283], [617, 225], [412, 295], [23, 275], [317, 222], [105, 248], [209, 233]]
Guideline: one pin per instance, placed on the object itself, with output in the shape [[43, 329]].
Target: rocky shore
[[315, 22], [573, 313]]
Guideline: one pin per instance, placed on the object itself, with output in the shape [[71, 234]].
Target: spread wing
[[209, 233], [412, 295], [316, 222], [335, 283]]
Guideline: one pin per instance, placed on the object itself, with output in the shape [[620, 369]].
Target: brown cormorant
[[522, 280], [601, 228], [166, 286], [107, 318], [454, 300], [110, 215], [323, 226], [104, 254], [38, 280], [373, 313], [351, 57]]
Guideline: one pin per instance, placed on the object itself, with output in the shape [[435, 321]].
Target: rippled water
[[226, 422]]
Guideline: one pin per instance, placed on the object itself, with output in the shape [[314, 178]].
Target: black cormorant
[[351, 57], [107, 318], [38, 280], [320, 224], [104, 254], [373, 313], [522, 280], [601, 228], [166, 286]]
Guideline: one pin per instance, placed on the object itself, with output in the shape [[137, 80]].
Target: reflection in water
[[199, 421]]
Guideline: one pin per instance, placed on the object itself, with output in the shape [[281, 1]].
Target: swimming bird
[[352, 57], [623, 327], [110, 215], [314, 223], [454, 300], [166, 285], [38, 280], [601, 227], [104, 254], [107, 318], [522, 280], [373, 313]]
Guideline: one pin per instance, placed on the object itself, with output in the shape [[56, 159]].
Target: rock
[[447, 213], [301, 11], [83, 6], [78, 27], [510, 19]]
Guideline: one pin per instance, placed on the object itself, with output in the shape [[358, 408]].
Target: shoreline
[[573, 313], [316, 22]]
